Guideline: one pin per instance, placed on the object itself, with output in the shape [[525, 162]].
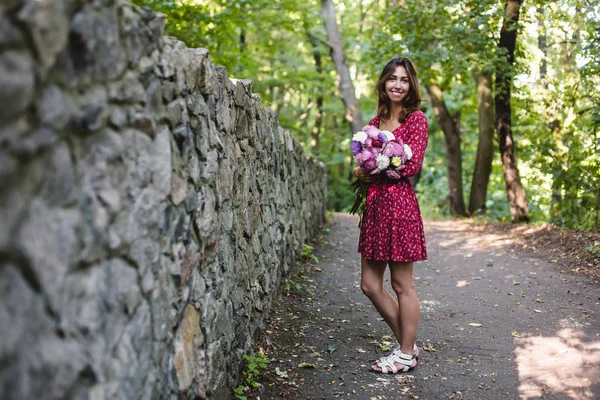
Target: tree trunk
[[450, 128], [243, 41], [543, 46], [316, 131], [485, 145], [517, 198], [353, 115]]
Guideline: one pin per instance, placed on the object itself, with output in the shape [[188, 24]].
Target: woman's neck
[[395, 110]]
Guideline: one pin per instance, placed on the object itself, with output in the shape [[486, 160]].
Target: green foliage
[[282, 46], [307, 253], [594, 249], [254, 364]]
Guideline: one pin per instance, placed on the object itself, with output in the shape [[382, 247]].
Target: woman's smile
[[397, 84]]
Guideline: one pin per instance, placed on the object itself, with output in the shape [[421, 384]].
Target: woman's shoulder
[[417, 115]]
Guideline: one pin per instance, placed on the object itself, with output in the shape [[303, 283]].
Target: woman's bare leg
[[409, 310], [371, 283]]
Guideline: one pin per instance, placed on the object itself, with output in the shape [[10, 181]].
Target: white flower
[[382, 161], [359, 137], [389, 135], [408, 152]]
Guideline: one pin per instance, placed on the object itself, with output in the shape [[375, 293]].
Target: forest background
[[511, 91]]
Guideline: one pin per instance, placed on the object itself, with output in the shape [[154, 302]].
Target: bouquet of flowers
[[379, 152]]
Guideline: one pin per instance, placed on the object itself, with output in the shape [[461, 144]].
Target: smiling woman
[[391, 229]]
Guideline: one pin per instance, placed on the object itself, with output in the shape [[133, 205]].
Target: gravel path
[[494, 325]]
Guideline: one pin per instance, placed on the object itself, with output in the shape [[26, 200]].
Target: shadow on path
[[493, 325]]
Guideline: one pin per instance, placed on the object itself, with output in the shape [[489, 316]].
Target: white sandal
[[416, 353], [388, 364]]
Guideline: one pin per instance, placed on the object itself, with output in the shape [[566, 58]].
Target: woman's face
[[397, 85]]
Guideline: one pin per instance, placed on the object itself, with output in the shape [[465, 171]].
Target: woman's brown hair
[[411, 101]]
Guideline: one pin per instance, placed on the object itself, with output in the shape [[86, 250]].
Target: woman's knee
[[370, 289], [402, 288]]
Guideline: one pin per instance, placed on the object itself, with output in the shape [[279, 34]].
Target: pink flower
[[371, 131], [370, 163], [393, 149]]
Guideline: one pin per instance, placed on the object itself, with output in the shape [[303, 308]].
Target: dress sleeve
[[418, 132]]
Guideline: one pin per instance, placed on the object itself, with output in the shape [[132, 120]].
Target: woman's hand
[[364, 175]]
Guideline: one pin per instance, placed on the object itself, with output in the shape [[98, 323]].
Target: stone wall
[[149, 204]]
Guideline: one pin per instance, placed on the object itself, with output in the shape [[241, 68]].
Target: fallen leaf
[[280, 373], [404, 379], [429, 347], [331, 348], [539, 300], [307, 365], [384, 347], [515, 334], [537, 310]]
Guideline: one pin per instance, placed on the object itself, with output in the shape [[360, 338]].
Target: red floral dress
[[391, 227]]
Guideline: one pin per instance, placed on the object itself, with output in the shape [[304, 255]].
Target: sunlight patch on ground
[[563, 364], [474, 237], [430, 303]]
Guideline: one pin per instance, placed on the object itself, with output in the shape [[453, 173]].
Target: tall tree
[[543, 46], [517, 199], [316, 130], [451, 127], [485, 144], [353, 114]]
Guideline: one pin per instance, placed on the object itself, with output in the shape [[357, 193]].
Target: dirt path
[[496, 325]]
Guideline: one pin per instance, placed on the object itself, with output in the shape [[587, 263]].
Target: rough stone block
[[17, 80], [54, 107], [59, 188], [47, 23], [186, 345], [48, 240], [211, 167], [201, 73], [179, 190], [161, 154]]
